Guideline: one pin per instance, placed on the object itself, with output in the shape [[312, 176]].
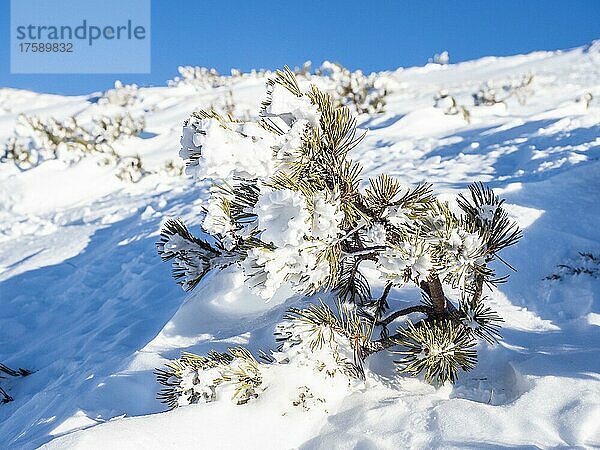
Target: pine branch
[[438, 349], [352, 287], [193, 257], [484, 210], [478, 291], [404, 312], [478, 319]]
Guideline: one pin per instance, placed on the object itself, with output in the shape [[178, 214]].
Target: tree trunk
[[436, 293]]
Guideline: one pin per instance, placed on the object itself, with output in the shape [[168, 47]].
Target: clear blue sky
[[371, 35]]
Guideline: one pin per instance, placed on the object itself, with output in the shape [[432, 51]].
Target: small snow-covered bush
[[123, 95], [586, 99], [314, 338], [304, 71], [363, 93], [173, 168], [253, 74], [198, 77], [130, 168], [491, 93], [38, 139], [450, 105], [286, 208]]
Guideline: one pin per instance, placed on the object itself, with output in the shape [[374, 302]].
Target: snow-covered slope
[[86, 303]]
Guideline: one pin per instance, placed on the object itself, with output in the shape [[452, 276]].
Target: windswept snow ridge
[[87, 305]]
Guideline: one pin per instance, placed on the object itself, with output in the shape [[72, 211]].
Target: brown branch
[[478, 288], [382, 344], [436, 293], [425, 288], [386, 292], [404, 312]]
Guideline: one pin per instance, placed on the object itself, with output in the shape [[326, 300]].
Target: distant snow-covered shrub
[[123, 95], [586, 99], [450, 105], [286, 208], [304, 71], [198, 77], [315, 338], [493, 93], [130, 168], [363, 93], [38, 139], [173, 168], [253, 74]]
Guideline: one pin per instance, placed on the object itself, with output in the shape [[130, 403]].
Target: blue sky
[[371, 35]]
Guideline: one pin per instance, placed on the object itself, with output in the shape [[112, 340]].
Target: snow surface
[[87, 304]]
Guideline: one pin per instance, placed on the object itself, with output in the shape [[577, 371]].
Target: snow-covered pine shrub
[[306, 399], [124, 95], [22, 152], [38, 139], [490, 94], [198, 77], [363, 93], [286, 209], [106, 130], [486, 96], [315, 339], [450, 105]]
